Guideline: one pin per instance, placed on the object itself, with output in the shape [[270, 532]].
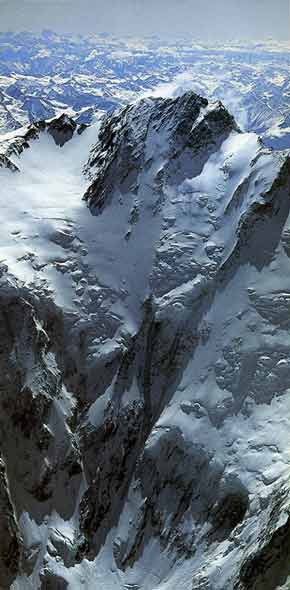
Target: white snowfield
[[180, 280]]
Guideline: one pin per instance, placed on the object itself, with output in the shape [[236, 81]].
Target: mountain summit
[[145, 365]]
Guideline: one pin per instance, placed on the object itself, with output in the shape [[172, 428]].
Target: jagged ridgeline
[[145, 364]]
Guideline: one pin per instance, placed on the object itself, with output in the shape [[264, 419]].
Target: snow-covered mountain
[[44, 75], [145, 365]]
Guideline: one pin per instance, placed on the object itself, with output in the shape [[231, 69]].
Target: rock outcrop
[[61, 129]]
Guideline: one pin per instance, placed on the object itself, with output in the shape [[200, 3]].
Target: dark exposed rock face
[[50, 581], [10, 540], [6, 163], [39, 448], [61, 129], [267, 568], [145, 430]]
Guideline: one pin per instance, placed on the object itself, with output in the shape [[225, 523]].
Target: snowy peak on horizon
[[145, 366]]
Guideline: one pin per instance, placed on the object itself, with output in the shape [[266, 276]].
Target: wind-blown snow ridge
[[145, 363]]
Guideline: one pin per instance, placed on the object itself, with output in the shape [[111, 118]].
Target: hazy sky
[[207, 19]]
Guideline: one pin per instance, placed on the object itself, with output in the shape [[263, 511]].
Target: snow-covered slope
[[145, 363]]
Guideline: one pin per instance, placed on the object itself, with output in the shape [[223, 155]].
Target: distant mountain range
[[44, 75]]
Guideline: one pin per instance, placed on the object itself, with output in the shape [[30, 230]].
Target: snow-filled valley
[[145, 364]]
